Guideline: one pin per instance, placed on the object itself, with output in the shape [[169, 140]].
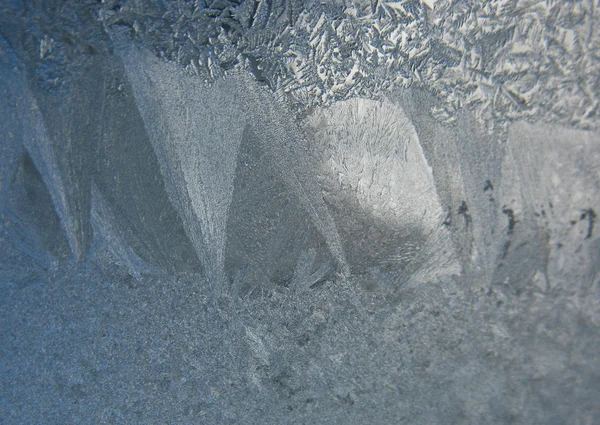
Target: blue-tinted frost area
[[289, 212]]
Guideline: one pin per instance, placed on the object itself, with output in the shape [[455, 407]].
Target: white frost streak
[[105, 224], [35, 139], [285, 143], [196, 132], [258, 347]]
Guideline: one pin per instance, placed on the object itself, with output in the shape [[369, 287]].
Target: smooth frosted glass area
[[299, 212]]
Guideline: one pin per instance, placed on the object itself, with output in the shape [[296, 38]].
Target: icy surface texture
[[299, 212], [505, 60]]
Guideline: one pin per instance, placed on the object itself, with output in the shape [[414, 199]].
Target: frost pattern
[[196, 132], [34, 138], [504, 60], [372, 151], [373, 170]]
